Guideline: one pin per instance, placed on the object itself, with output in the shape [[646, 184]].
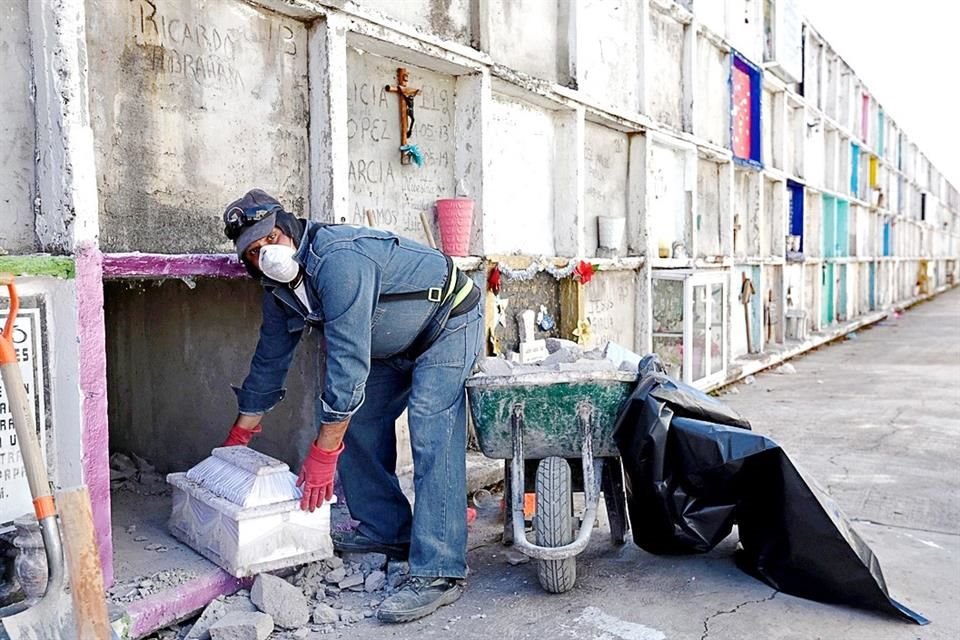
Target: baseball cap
[[250, 217]]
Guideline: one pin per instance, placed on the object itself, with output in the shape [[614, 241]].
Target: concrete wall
[[664, 86], [192, 104], [526, 35], [611, 308], [172, 353], [449, 19], [397, 193], [17, 130], [519, 213], [712, 201], [605, 179], [667, 206], [608, 64], [711, 108], [745, 27]]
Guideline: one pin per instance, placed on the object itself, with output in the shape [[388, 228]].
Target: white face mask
[[277, 263]]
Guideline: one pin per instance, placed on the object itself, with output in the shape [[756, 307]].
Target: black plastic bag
[[694, 469]]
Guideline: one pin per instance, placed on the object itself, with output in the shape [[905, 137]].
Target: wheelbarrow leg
[[507, 506], [615, 499]]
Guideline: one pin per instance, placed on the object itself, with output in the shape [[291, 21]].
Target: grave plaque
[[15, 499]]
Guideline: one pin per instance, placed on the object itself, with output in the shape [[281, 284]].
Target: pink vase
[[455, 219]]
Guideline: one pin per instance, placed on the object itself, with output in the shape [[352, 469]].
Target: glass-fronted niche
[[689, 324]]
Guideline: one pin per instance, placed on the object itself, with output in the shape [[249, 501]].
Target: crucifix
[[405, 97]]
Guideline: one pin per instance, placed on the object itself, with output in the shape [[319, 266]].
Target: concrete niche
[[395, 194], [605, 180], [192, 104]]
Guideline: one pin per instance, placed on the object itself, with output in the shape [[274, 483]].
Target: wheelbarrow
[[539, 421]]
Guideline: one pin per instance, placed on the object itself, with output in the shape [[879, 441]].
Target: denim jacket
[[346, 268]]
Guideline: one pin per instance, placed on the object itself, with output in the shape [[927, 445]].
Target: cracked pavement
[[876, 418]]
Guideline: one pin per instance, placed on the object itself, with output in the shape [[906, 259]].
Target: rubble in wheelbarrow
[[565, 355]]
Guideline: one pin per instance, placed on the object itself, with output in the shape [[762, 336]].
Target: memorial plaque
[[15, 499]]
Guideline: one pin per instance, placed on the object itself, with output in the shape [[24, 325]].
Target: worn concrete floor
[[875, 418]]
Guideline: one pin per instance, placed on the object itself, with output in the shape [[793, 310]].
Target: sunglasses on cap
[[237, 219]]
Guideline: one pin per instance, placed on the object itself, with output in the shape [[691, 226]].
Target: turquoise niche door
[[829, 238], [826, 305], [873, 286]]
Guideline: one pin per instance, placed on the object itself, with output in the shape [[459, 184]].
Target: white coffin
[[248, 540]]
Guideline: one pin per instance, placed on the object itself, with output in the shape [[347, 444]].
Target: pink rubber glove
[[240, 437], [316, 476]]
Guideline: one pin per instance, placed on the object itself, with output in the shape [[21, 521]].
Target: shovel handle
[[6, 279], [33, 462]]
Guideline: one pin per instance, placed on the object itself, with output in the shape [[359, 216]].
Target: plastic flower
[[583, 272], [493, 280]]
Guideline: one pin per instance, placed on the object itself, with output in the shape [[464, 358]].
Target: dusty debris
[[285, 603], [325, 614], [243, 626], [135, 474], [786, 369], [320, 606], [349, 616], [143, 586]]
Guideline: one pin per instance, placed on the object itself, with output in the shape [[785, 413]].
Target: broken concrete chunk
[[396, 573], [335, 576], [351, 581], [496, 367], [334, 562], [215, 612], [567, 354], [284, 602], [348, 616], [588, 365], [374, 581], [243, 626], [325, 614], [555, 344]]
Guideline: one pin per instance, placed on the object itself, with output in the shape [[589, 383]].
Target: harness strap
[[433, 294]]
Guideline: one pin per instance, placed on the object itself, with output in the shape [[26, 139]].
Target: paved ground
[[875, 418]]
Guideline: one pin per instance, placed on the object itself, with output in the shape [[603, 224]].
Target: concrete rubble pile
[[319, 598], [133, 473]]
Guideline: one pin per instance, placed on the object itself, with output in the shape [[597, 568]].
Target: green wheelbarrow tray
[[546, 414], [550, 401]]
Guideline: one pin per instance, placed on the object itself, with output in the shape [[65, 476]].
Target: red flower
[[583, 272], [493, 280]]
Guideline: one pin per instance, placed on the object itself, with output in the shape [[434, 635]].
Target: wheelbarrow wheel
[[553, 523]]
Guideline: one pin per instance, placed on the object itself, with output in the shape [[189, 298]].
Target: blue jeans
[[431, 389]]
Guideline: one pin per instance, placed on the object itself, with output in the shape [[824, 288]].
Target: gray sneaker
[[419, 597]]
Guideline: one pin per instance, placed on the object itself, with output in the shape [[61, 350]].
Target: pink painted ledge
[[162, 265], [171, 605]]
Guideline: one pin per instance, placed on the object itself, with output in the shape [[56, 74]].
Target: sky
[[907, 52]]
